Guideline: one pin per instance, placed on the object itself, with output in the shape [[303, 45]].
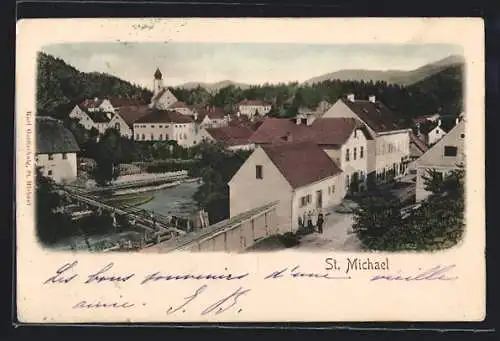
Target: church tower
[[157, 82]]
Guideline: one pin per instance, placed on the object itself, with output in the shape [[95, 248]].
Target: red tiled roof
[[231, 136], [91, 103], [125, 102], [130, 114], [323, 131], [211, 112], [179, 104], [244, 121], [301, 163], [164, 116], [254, 102], [375, 114], [418, 142]]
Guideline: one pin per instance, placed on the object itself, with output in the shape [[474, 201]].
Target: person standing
[[310, 225], [320, 222]]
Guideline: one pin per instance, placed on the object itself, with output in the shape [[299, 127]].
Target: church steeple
[[157, 81], [158, 74]]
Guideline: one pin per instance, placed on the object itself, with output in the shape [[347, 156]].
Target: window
[[356, 133], [51, 157], [152, 126], [331, 189], [49, 173], [258, 172], [462, 136], [161, 136], [354, 154], [160, 126], [303, 201], [143, 136], [152, 137], [390, 148], [137, 136], [65, 156], [117, 126], [361, 150], [347, 182], [347, 154], [309, 198], [450, 151]]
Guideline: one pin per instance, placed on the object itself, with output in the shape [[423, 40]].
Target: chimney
[[310, 120], [372, 99], [457, 120], [350, 97], [195, 116], [439, 123], [96, 99]]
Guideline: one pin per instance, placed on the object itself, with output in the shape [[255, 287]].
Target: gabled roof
[[90, 103], [101, 116], [212, 113], [179, 104], [254, 102], [231, 136], [52, 137], [323, 131], [125, 102], [418, 143], [164, 116], [301, 163], [130, 114], [244, 121], [376, 115]]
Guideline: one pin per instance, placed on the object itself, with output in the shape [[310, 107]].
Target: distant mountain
[[60, 86], [400, 77], [213, 87]]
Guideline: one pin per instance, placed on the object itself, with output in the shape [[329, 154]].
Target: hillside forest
[[61, 86]]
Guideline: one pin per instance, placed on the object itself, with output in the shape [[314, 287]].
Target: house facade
[[211, 117], [344, 140], [388, 148], [251, 108], [164, 125], [56, 150], [446, 155], [101, 120], [299, 176]]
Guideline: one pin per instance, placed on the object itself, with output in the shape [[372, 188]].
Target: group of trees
[[61, 86], [438, 223], [216, 166]]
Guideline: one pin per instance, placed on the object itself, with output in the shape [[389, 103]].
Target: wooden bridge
[[149, 221]]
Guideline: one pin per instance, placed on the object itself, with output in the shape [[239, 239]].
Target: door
[[319, 199]]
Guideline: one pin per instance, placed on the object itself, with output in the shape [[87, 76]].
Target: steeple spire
[[158, 74]]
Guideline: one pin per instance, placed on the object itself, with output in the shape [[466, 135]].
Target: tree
[[375, 219], [51, 225], [108, 153]]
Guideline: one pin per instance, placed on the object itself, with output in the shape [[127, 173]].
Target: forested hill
[[60, 86]]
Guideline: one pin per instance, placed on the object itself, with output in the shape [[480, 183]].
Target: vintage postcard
[[250, 170]]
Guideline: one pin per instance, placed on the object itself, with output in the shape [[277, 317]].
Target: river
[[177, 201]]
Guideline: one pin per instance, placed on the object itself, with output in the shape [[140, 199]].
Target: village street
[[337, 235]]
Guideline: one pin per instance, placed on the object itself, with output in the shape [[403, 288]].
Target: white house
[[101, 120], [56, 150], [211, 117], [446, 155], [252, 107], [232, 138], [164, 125], [344, 140], [432, 131], [389, 146], [163, 98], [299, 175]]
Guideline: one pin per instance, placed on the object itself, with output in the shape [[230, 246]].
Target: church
[[163, 98]]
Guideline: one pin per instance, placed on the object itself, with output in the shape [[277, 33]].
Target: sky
[[245, 63]]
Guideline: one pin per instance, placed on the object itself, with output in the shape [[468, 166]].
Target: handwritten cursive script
[[61, 276], [436, 273], [102, 276], [98, 304], [225, 303], [187, 300], [157, 276], [295, 273]]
